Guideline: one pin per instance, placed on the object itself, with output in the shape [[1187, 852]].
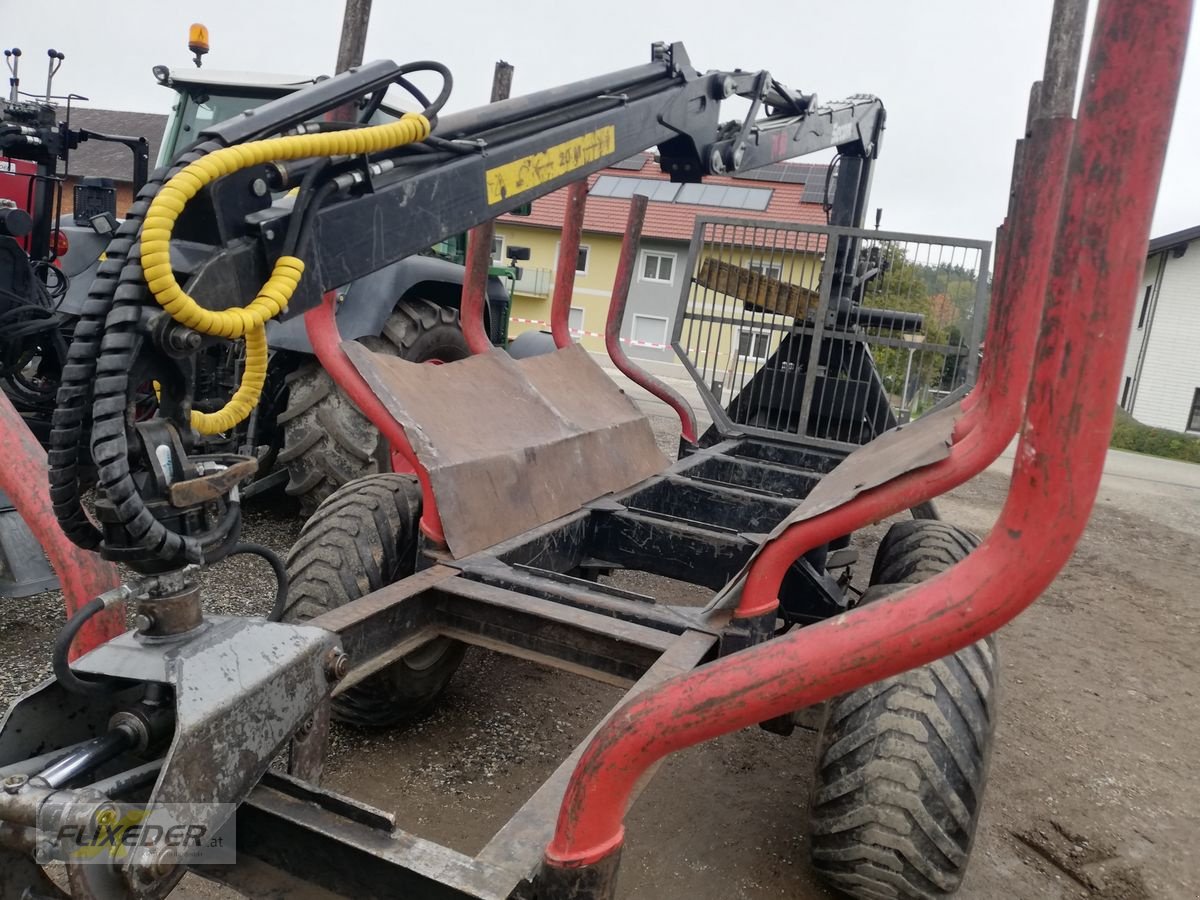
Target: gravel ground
[[1092, 793]]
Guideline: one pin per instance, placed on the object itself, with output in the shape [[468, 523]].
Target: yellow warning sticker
[[528, 172]]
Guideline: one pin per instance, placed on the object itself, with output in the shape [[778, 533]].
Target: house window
[[753, 344], [581, 262], [498, 250], [657, 267], [575, 319], [649, 330], [770, 270], [1194, 416], [1145, 306]]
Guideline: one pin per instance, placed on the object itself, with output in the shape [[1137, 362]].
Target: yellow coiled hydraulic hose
[[273, 297]]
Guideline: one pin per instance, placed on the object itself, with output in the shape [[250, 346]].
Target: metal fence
[[828, 335]]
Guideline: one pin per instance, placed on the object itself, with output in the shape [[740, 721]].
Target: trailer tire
[[327, 441], [360, 539], [902, 763]]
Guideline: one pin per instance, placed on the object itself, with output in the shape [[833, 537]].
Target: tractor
[[304, 434]]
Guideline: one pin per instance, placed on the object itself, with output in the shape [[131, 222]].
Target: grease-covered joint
[[558, 880], [171, 605], [743, 632]]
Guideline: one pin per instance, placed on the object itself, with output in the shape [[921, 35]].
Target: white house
[[1161, 386]]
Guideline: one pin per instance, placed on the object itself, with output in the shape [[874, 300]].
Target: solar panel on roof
[[814, 190], [633, 163], [784, 173]]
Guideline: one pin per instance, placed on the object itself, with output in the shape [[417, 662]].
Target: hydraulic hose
[[62, 646], [273, 296], [277, 566]]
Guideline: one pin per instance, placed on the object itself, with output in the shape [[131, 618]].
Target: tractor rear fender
[[370, 300]]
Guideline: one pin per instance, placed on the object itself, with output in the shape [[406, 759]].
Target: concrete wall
[[1163, 361]]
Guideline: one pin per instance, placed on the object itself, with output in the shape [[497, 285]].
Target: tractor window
[[197, 110]]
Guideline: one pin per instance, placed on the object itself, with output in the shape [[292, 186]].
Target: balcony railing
[[534, 282]]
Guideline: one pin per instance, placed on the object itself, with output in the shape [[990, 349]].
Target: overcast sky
[[953, 75]]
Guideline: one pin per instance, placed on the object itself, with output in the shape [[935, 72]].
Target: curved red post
[[82, 574], [1115, 168], [986, 429], [568, 258], [472, 313], [616, 315], [321, 325]]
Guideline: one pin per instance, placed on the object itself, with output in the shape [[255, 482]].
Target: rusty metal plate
[[512, 444], [892, 454]]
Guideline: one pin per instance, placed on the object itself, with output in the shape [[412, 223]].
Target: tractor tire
[[902, 764], [327, 442], [360, 539]]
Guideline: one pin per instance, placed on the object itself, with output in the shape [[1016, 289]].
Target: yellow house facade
[[533, 291], [733, 336]]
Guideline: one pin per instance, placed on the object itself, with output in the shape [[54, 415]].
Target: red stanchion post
[[82, 574], [568, 259], [321, 326], [616, 316]]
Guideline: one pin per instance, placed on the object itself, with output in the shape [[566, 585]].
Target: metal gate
[[828, 335]]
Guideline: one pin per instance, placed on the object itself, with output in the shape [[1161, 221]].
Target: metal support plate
[[512, 444], [242, 687]]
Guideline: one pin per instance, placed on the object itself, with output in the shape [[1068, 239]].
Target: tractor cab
[[204, 98]]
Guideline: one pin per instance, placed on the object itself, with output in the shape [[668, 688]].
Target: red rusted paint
[[82, 574], [1114, 170], [568, 259], [474, 292], [321, 326], [616, 315]]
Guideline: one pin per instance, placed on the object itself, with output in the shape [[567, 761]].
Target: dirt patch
[[1092, 794]]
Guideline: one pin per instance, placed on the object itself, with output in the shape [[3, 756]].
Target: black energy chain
[[95, 380]]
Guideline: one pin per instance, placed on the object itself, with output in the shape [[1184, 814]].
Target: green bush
[[1130, 434]]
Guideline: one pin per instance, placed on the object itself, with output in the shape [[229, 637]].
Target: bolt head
[[258, 187], [143, 622], [166, 862], [106, 816], [14, 783], [337, 664]]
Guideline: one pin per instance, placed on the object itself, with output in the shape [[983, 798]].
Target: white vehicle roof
[[230, 79]]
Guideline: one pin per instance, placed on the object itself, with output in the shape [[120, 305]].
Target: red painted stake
[[474, 294], [616, 315], [82, 574], [1115, 166], [321, 326], [568, 259]]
